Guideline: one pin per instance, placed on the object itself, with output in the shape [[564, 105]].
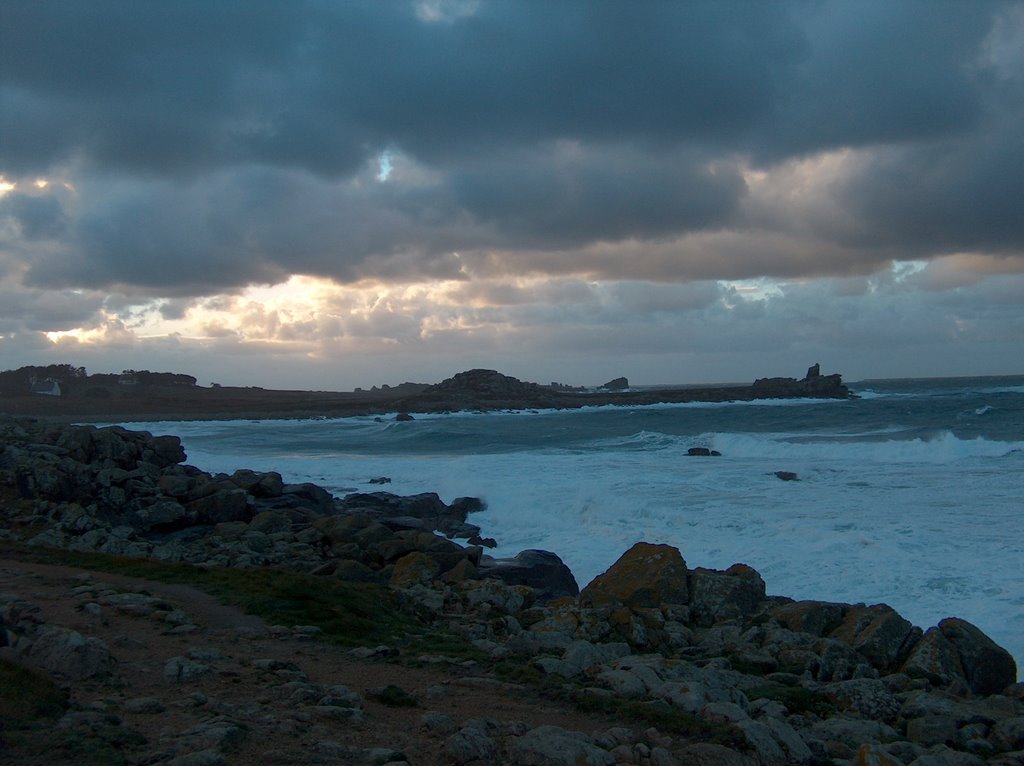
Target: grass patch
[[30, 703], [349, 614], [796, 699], [436, 641], [395, 696], [27, 696], [518, 671]]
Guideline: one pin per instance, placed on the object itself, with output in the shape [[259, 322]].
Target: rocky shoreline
[[733, 675]]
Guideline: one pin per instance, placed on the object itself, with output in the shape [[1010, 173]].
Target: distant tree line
[[20, 381]]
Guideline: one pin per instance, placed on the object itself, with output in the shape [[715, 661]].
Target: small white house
[[46, 387]]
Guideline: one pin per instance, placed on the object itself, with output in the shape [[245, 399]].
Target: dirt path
[[256, 700]]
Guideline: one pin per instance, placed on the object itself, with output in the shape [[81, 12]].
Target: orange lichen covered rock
[[646, 575]]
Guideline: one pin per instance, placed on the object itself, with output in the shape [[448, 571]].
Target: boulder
[[259, 484], [554, 746], [309, 496], [735, 594], [935, 658], [616, 384], [68, 654], [866, 697], [162, 516], [414, 569], [543, 571], [647, 575], [987, 667], [819, 618], [879, 634]]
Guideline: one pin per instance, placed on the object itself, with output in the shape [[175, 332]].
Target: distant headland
[[65, 392]]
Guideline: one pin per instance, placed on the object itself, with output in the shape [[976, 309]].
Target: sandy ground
[[278, 730]]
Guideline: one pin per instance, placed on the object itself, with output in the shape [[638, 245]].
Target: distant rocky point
[[491, 390]]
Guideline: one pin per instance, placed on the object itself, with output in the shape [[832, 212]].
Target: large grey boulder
[[68, 654], [879, 634], [987, 667], [735, 594], [935, 658], [543, 571]]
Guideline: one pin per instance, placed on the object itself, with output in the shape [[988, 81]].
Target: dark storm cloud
[[221, 144], [36, 217], [946, 196], [568, 196]]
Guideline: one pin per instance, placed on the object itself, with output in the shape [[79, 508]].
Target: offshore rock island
[[371, 636], [66, 393], [490, 390]]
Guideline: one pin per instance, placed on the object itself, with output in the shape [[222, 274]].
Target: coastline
[[722, 667], [480, 390]]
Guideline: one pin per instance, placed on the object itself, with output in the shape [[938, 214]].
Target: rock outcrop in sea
[[491, 390], [779, 681]]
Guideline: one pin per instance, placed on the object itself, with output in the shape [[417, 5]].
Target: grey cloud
[[321, 85], [879, 72], [946, 196], [37, 217], [569, 196], [46, 311], [222, 145]]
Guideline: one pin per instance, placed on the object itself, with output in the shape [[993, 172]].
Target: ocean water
[[911, 495]]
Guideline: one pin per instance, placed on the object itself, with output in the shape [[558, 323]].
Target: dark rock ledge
[[796, 682]]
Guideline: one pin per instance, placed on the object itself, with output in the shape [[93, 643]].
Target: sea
[[911, 494]]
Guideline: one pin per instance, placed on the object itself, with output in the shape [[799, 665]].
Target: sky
[[325, 194]]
